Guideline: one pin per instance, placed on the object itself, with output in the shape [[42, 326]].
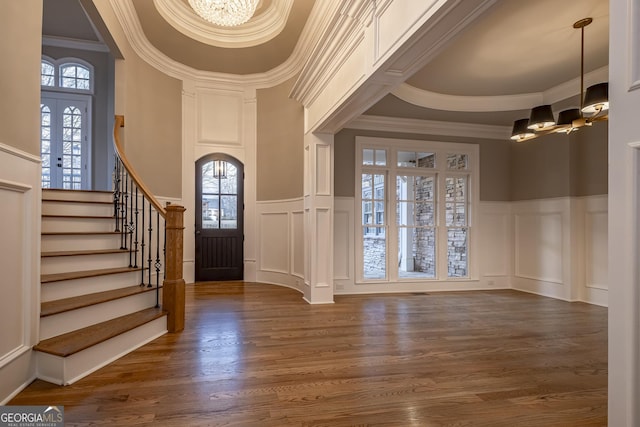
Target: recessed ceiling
[[205, 57], [520, 47]]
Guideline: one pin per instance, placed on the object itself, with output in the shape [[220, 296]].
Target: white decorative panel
[[274, 242], [538, 242], [324, 248], [12, 303], [323, 170], [389, 29], [344, 81], [634, 39], [342, 245], [495, 244], [219, 117], [297, 252], [596, 251]]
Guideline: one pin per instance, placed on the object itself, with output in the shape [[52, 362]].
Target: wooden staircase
[[93, 308]]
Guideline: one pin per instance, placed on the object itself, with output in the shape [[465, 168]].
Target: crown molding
[[439, 101], [258, 30], [128, 19], [429, 127], [342, 31], [70, 43]]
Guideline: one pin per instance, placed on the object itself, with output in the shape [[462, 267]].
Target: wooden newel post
[[173, 300]]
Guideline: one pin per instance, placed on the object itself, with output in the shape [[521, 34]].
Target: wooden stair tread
[[50, 308], [77, 233], [58, 277], [68, 190], [85, 252], [112, 218], [73, 342], [93, 202]]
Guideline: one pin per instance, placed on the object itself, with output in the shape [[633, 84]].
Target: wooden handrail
[[119, 123], [173, 300]]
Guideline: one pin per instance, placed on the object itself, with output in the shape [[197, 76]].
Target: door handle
[[197, 232]]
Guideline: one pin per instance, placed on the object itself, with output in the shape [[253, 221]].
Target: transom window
[[416, 205], [66, 74]]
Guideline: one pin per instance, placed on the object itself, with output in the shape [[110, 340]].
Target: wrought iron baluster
[[123, 232], [150, 245], [135, 254], [116, 193], [158, 264], [142, 245]]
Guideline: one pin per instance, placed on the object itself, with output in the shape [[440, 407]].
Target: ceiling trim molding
[[258, 30], [128, 19], [524, 101], [429, 127], [343, 32], [69, 43]]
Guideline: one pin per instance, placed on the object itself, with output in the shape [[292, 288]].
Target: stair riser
[[62, 323], [62, 264], [62, 208], [73, 288], [64, 371], [54, 225], [92, 196], [78, 243]]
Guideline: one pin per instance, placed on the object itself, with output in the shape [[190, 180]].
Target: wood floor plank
[[257, 355]]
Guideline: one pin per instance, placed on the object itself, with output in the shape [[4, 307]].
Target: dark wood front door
[[219, 218]]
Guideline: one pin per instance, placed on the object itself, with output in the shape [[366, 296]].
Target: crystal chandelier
[[227, 13]]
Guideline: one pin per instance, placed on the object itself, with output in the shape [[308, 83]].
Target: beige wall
[[152, 105], [20, 50], [494, 162], [561, 165], [280, 141], [590, 160], [547, 167]]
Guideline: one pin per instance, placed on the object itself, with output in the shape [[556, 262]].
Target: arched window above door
[[68, 74]]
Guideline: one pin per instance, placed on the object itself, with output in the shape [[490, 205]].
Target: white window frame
[[57, 66], [391, 171]]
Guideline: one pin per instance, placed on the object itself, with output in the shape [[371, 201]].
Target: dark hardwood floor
[[258, 355]]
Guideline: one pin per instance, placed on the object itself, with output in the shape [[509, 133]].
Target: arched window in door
[[219, 218], [219, 195]]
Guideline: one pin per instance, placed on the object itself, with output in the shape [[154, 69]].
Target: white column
[[318, 218], [249, 133], [624, 210]]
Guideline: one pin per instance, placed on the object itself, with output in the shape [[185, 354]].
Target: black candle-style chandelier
[[594, 106], [219, 169]]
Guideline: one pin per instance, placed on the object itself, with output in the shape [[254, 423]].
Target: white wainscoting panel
[[542, 247], [280, 241], [539, 246], [596, 250], [495, 243], [20, 265], [274, 242], [297, 243], [219, 116], [343, 243]]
